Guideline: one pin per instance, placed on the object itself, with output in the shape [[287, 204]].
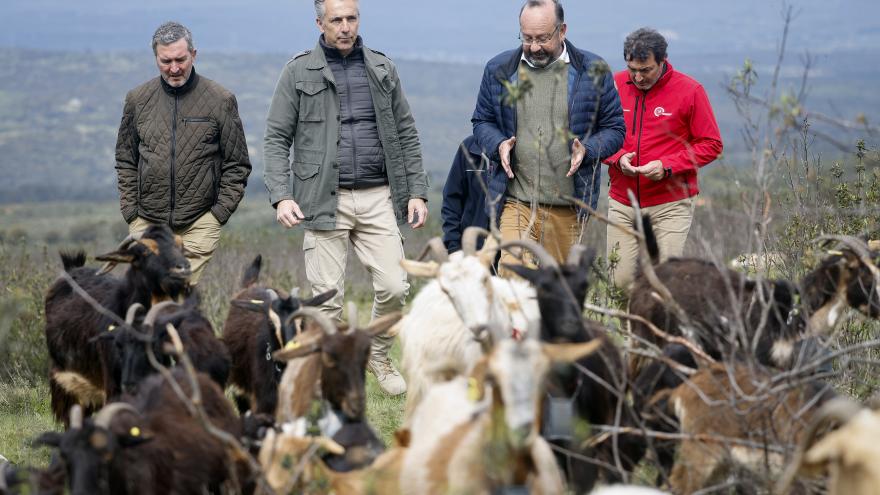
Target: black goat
[[157, 271], [153, 445], [596, 384], [259, 323], [729, 312], [205, 350]]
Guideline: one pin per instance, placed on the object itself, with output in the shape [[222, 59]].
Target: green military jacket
[[305, 113]]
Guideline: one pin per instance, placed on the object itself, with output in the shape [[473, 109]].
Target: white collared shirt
[[562, 56]]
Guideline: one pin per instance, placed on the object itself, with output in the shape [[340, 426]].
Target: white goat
[[463, 298], [479, 433]]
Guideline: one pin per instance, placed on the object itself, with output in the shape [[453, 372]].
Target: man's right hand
[[625, 163], [504, 152], [288, 213]]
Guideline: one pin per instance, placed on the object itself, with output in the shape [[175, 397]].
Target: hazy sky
[[464, 30]]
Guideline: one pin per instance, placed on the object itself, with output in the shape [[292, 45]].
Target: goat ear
[[134, 437], [49, 439], [255, 305], [320, 298], [424, 269], [299, 347], [569, 353], [330, 446], [116, 257], [382, 324], [529, 274]]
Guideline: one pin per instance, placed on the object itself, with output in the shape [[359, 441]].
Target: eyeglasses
[[540, 40]]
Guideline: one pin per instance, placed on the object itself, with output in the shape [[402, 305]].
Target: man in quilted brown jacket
[[181, 155]]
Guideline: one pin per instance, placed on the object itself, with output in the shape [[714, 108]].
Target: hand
[[652, 170], [577, 156], [288, 213], [418, 212], [625, 163], [504, 152]]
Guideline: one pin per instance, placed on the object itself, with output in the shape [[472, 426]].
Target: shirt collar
[[562, 56]]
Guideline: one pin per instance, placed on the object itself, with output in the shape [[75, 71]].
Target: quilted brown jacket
[[180, 152]]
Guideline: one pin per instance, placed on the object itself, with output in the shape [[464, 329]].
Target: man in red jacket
[[670, 133]]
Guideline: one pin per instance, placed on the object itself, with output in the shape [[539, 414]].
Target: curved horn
[[438, 250], [76, 416], [154, 311], [469, 239], [352, 317], [538, 250], [132, 312], [314, 313], [272, 294], [858, 246], [110, 265], [105, 415]]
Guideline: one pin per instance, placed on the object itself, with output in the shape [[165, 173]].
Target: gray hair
[[320, 9], [642, 43], [560, 12], [170, 32]]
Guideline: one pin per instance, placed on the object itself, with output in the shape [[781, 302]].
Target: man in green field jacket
[[181, 155], [356, 166]]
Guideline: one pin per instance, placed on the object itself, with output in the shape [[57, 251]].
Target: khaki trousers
[[671, 222], [365, 218], [200, 240], [554, 227]]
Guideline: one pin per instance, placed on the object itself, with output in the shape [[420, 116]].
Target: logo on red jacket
[[661, 111]]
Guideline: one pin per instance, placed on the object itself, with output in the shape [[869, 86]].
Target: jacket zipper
[[354, 167], [639, 143], [173, 153]]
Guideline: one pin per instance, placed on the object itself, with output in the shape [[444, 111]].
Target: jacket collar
[[182, 90], [333, 53], [510, 66]]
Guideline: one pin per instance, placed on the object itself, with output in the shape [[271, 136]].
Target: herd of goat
[[715, 379]]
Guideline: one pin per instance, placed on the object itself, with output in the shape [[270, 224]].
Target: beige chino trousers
[[671, 222], [555, 228], [365, 218], [200, 240]]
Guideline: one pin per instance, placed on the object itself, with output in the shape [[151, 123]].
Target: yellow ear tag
[[473, 389], [293, 345], [135, 431], [256, 301], [832, 252], [111, 328]]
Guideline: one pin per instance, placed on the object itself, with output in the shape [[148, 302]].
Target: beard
[[539, 59]]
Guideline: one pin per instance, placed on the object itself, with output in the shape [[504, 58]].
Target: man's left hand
[[652, 170], [577, 156], [418, 212]]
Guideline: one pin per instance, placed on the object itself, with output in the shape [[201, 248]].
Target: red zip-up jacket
[[671, 122]]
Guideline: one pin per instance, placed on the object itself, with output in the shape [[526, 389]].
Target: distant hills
[[60, 110]]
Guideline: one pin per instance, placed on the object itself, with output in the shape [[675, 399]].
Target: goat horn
[[76, 416], [858, 246], [469, 239], [154, 311], [352, 317], [438, 250], [320, 318], [132, 312], [105, 415], [110, 265], [538, 250]]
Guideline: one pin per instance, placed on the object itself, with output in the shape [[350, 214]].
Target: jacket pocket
[[307, 163], [311, 100]]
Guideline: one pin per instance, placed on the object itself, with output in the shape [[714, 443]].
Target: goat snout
[[354, 405]]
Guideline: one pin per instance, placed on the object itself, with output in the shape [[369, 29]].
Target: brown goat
[[153, 446], [738, 417], [259, 323], [730, 314], [157, 271]]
